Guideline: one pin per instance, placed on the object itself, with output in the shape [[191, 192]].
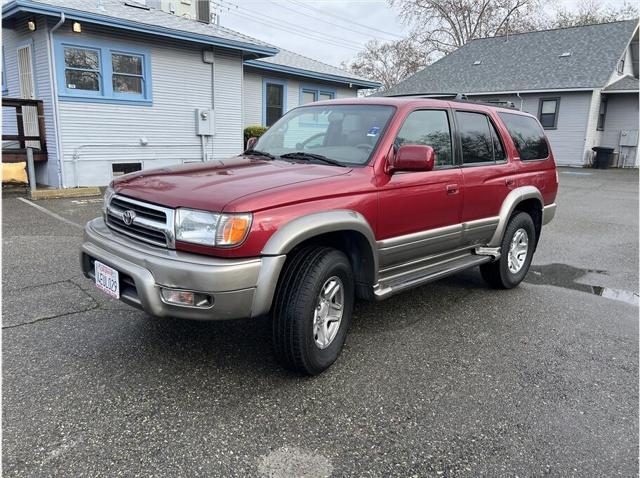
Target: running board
[[391, 286]]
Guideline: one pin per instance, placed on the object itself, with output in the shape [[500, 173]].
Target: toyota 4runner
[[338, 200]]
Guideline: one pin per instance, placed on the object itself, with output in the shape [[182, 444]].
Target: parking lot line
[[50, 213]]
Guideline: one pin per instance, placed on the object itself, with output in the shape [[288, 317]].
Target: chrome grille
[[151, 224]]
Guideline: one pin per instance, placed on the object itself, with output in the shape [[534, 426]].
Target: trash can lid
[[602, 149]]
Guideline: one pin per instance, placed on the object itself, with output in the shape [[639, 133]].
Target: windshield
[[347, 134]]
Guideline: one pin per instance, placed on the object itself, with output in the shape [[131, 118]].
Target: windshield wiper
[[255, 152], [310, 157]]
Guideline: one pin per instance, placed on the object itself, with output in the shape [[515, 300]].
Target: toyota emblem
[[128, 217]]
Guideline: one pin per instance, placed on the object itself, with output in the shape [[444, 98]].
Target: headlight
[[108, 194], [211, 229]]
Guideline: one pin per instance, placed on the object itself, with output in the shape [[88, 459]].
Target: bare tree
[[390, 62], [589, 12], [446, 25]]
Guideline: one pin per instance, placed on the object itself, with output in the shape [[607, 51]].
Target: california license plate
[[107, 279]]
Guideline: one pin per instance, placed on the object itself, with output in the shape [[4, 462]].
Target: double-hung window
[[82, 69], [312, 94], [128, 73], [103, 73], [548, 112]]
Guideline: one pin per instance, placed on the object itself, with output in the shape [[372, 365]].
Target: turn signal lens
[[232, 229]]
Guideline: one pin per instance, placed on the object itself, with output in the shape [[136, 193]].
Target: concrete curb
[[64, 193]]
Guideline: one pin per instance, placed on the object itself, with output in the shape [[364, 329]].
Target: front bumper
[[239, 287]]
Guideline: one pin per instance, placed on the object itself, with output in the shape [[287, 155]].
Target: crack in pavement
[[96, 305]]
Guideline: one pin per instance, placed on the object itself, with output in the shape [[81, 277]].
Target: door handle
[[452, 189], [510, 182]]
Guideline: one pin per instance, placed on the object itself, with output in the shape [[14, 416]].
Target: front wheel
[[516, 253], [312, 309]]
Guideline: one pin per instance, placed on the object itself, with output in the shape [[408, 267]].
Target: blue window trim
[[316, 90], [5, 87], [275, 81], [106, 93]]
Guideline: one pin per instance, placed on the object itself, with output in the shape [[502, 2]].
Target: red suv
[[344, 199]]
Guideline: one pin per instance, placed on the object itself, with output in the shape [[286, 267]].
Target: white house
[[581, 82], [125, 86]]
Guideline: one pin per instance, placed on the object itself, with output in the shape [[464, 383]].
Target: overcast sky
[[327, 30]]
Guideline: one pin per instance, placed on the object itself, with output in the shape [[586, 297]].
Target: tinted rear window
[[527, 136]]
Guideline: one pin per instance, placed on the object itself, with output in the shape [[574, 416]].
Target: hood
[[210, 186]]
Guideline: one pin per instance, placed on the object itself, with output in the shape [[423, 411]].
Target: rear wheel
[[312, 309], [516, 253]]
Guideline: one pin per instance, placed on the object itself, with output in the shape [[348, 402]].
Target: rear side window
[[479, 139], [428, 128], [527, 135]]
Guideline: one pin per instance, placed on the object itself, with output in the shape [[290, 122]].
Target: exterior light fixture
[[77, 27], [31, 25]]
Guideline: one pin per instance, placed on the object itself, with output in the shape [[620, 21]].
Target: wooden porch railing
[[13, 155]]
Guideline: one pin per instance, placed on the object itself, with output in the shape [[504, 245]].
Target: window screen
[[429, 128], [527, 136]]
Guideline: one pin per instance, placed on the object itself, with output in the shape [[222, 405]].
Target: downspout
[[54, 99], [521, 99]]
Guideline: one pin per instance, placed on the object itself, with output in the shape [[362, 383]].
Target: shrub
[[254, 131]]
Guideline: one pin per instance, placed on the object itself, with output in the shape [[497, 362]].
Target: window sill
[[101, 99]]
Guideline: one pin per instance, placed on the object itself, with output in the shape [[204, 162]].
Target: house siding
[[569, 138], [96, 135], [12, 39], [622, 114], [252, 97]]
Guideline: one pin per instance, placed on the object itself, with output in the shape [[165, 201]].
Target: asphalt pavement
[[451, 379]]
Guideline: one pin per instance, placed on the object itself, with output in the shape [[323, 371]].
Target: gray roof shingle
[[296, 61], [626, 83], [158, 20], [527, 61]]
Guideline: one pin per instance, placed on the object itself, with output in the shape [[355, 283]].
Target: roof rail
[[462, 98]]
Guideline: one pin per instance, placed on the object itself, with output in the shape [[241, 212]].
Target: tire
[[298, 297], [498, 274]]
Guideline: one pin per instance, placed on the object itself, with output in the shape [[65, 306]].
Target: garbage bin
[[603, 157]]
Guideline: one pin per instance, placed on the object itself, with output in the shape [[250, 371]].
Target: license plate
[[107, 279]]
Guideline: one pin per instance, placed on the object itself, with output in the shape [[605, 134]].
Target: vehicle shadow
[[245, 347]]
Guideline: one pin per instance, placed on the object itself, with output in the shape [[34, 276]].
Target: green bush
[[254, 131]]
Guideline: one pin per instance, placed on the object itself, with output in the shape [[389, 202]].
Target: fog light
[[186, 298]]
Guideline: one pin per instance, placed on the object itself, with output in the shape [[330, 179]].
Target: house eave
[[17, 6], [503, 92], [312, 74], [619, 92]]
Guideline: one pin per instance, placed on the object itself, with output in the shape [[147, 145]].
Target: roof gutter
[[17, 6], [263, 65], [507, 92]]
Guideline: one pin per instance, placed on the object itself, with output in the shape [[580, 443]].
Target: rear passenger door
[[420, 210], [486, 174]]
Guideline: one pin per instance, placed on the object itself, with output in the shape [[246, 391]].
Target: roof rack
[[462, 98]]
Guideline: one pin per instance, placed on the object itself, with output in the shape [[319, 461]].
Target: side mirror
[[413, 157], [251, 142]]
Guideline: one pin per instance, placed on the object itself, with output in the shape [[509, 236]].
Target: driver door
[[420, 211]]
